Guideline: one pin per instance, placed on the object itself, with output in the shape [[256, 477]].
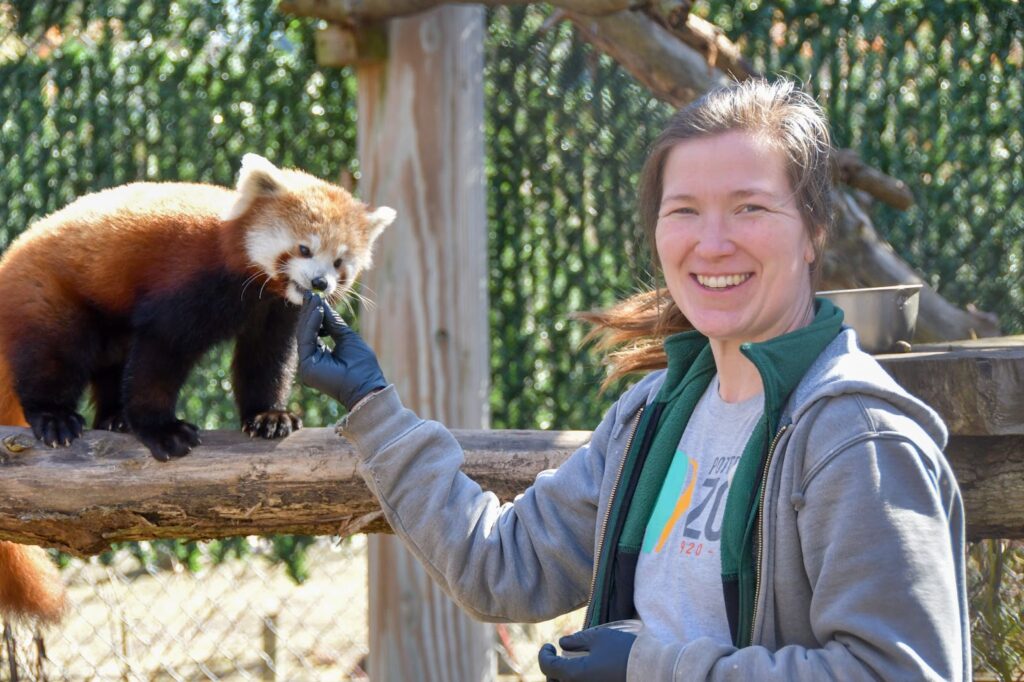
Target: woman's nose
[[715, 240]]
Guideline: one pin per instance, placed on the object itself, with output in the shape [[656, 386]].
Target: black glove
[[606, 661], [348, 373]]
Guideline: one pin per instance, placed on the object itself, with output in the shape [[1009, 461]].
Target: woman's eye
[[751, 208], [304, 251], [683, 210], [337, 263]]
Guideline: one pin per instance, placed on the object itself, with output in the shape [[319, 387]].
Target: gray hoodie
[[862, 575]]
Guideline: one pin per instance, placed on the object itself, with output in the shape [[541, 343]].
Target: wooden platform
[[977, 386]]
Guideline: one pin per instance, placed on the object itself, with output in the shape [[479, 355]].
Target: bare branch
[[854, 172], [349, 11], [670, 69]]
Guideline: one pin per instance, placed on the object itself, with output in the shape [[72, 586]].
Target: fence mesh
[[95, 94]]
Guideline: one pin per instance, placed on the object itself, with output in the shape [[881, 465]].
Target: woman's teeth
[[721, 281]]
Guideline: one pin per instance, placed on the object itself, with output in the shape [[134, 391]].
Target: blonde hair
[[778, 114]]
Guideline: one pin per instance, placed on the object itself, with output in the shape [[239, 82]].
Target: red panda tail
[[29, 584], [11, 413]]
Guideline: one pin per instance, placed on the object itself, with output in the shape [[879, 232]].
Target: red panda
[[122, 291]]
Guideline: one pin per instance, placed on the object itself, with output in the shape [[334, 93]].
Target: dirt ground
[[241, 620]]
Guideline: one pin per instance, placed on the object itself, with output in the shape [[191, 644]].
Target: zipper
[[760, 532], [608, 513]]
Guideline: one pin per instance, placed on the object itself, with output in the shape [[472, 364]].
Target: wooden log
[[855, 173], [355, 11], [106, 488], [672, 70]]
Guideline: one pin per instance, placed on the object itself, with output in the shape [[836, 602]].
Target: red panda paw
[[114, 422], [173, 439], [272, 424], [56, 427]]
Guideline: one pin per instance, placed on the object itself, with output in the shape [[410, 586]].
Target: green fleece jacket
[[861, 570]]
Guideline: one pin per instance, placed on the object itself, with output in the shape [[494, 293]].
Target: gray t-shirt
[[678, 589]]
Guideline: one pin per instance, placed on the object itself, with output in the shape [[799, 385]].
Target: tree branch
[[349, 11], [106, 488]]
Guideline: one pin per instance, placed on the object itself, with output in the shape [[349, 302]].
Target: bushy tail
[[29, 584], [10, 408]]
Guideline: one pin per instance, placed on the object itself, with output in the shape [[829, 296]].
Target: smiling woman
[[767, 502], [734, 249]]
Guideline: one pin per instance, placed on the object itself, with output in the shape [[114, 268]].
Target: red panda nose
[[319, 283]]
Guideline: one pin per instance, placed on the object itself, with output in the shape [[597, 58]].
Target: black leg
[[154, 374], [50, 375], [262, 369], [106, 395]]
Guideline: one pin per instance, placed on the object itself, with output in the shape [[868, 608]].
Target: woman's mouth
[[722, 281]]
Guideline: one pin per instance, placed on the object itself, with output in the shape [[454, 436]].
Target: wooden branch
[[700, 34], [349, 11], [672, 70], [854, 172], [106, 488]]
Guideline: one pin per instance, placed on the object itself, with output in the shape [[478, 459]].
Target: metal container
[[883, 317]]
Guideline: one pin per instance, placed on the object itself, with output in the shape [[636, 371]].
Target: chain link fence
[[96, 94], [160, 611], [162, 618]]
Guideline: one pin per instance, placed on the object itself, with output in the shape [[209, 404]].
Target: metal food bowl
[[883, 317]]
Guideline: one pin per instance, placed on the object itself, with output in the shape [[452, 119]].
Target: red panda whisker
[[248, 280], [264, 287]]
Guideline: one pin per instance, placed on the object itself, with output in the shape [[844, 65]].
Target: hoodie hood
[[843, 368]]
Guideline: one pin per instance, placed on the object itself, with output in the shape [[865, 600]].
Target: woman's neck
[[738, 378]]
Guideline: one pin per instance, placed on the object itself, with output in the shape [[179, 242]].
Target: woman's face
[[731, 241]]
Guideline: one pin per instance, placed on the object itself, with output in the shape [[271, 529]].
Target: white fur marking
[[264, 244], [257, 177], [379, 219]]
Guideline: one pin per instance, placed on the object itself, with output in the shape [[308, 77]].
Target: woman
[[768, 502]]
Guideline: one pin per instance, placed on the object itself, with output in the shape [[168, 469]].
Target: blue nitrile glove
[[606, 662], [350, 371]]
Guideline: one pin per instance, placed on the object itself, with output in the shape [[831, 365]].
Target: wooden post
[[421, 152]]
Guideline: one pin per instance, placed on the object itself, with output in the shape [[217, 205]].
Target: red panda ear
[[379, 219], [257, 178]]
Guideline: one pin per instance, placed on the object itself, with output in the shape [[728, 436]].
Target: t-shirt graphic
[[678, 588]]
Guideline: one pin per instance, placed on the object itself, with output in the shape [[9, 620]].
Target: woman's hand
[[350, 371]]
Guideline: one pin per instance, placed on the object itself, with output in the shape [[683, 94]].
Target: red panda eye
[[337, 263], [304, 251]]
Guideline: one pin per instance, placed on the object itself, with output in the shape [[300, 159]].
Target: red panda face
[[303, 234]]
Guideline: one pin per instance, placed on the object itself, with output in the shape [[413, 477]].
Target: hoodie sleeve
[[526, 560], [882, 537]]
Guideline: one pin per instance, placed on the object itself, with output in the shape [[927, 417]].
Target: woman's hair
[[777, 114]]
